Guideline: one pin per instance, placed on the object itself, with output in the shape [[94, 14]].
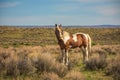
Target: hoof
[[66, 64], [84, 62]]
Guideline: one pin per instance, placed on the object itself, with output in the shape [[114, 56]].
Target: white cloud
[[65, 7], [108, 10], [8, 4], [105, 10], [104, 14], [59, 19], [90, 1]]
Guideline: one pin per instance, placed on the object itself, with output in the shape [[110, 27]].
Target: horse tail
[[89, 44]]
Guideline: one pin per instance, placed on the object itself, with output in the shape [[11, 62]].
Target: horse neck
[[65, 34]]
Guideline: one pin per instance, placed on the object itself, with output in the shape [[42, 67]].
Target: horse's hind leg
[[85, 54]]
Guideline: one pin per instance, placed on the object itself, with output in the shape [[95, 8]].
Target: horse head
[[59, 31]]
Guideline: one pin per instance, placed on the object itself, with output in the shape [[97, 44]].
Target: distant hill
[[96, 26], [71, 26]]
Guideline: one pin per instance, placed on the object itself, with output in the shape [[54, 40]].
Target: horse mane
[[65, 33]]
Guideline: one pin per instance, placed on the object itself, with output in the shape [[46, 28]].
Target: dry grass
[[29, 60], [13, 36], [74, 75], [11, 66], [113, 68], [41, 60], [60, 69], [49, 76], [96, 63], [99, 58], [43, 63], [25, 66]]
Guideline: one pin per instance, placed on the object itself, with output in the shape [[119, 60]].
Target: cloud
[[65, 7], [108, 10], [103, 7], [104, 10], [60, 19], [100, 7], [85, 0], [8, 4], [89, 1], [67, 13]]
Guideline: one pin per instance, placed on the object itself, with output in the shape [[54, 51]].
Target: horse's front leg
[[63, 55], [66, 56]]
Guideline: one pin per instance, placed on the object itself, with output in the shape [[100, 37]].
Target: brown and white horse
[[67, 41]]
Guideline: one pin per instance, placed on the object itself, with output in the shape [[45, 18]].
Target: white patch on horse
[[75, 37], [66, 36], [66, 39]]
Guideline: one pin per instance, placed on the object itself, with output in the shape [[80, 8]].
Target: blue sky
[[65, 12]]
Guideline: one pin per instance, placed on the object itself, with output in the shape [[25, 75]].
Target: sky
[[65, 12]]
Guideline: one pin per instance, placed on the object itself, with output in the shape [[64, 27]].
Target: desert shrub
[[49, 76], [98, 49], [25, 66], [114, 68], [5, 53], [23, 52], [75, 76], [74, 60], [110, 50], [5, 56], [14, 61], [44, 63], [11, 66], [96, 63], [2, 65], [60, 69]]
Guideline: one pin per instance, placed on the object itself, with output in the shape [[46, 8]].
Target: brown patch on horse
[[81, 41], [61, 43]]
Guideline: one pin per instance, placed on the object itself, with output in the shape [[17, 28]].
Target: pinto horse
[[67, 41]]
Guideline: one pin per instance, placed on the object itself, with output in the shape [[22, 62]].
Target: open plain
[[33, 54]]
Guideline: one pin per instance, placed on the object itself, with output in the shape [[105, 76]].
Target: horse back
[[78, 40]]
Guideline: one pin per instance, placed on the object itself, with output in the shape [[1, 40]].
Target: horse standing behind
[[67, 41]]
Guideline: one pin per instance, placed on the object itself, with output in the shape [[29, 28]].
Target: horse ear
[[55, 25], [60, 26]]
